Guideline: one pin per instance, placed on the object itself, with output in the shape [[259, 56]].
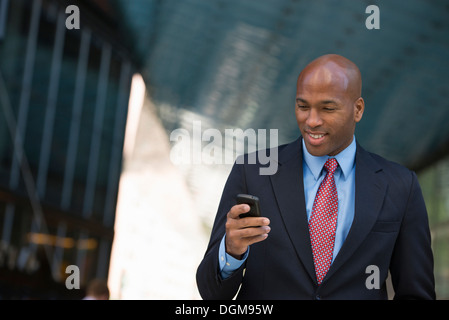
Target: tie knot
[[331, 165]]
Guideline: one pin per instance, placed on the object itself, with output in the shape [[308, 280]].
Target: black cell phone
[[253, 203]]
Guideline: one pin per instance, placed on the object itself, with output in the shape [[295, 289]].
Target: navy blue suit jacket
[[390, 230]]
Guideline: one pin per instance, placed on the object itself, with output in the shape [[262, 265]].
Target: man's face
[[326, 110]]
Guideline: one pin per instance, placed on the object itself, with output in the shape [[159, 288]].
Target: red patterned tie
[[323, 222]]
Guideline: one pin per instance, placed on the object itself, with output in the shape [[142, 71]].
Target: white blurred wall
[[159, 239]]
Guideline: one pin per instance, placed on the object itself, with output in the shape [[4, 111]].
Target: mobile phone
[[253, 203]]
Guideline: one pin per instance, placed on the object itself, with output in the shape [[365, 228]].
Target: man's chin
[[316, 150]]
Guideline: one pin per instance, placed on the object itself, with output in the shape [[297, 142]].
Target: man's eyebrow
[[301, 100]]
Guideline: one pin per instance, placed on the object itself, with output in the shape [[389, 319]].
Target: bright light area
[[159, 240]]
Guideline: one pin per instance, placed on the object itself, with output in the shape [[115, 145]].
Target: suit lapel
[[288, 187], [370, 191]]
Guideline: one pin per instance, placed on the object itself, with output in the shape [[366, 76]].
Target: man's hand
[[242, 232]]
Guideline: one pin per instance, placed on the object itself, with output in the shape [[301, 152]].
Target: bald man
[[336, 219]]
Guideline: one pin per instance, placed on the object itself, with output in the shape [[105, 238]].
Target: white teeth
[[316, 136]]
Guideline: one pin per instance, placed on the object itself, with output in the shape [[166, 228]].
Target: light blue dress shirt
[[313, 174]]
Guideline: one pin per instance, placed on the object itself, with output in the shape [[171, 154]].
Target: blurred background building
[[86, 115]]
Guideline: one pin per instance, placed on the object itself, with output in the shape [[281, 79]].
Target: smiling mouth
[[316, 136]]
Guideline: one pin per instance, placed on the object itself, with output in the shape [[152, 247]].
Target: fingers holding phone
[[245, 226]]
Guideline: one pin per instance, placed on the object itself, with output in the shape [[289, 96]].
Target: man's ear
[[359, 107]]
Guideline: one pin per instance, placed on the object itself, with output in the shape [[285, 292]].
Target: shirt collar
[[345, 160]]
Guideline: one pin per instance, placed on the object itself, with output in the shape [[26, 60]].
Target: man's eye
[[328, 109], [302, 107]]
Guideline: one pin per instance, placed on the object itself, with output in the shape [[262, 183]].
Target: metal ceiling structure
[[235, 62]]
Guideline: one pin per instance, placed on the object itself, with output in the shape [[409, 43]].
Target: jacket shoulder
[[396, 173], [390, 166]]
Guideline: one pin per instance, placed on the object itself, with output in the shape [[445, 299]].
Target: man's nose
[[314, 120]]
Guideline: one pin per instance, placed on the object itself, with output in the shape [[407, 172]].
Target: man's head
[[328, 104]]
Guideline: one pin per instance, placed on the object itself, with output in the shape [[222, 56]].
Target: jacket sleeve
[[209, 282], [412, 261]]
